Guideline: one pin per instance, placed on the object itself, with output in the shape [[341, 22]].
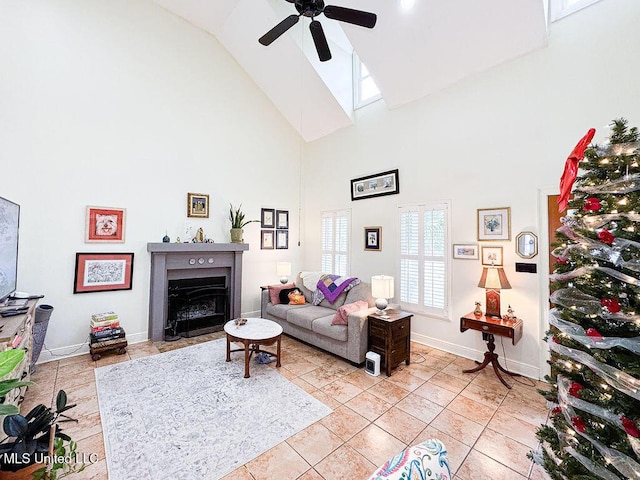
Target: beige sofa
[[312, 323]]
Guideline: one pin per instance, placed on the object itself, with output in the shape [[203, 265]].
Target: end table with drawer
[[390, 338], [490, 326]]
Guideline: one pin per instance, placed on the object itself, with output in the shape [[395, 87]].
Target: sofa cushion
[[342, 315], [304, 317], [322, 326], [362, 291], [281, 310], [274, 292]]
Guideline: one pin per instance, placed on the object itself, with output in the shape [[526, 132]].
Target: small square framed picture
[[465, 251], [267, 218], [282, 239], [494, 223], [266, 239], [105, 224], [373, 238], [282, 218], [197, 205], [492, 256]]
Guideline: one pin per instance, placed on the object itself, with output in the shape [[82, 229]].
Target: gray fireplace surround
[[175, 261]]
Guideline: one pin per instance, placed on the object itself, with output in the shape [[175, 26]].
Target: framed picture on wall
[[373, 238], [466, 251], [266, 239], [282, 239], [492, 256], [282, 218], [197, 205], [105, 224], [267, 218], [102, 272], [385, 183], [494, 223]]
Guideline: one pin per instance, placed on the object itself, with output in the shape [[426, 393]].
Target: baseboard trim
[[473, 354], [51, 355]]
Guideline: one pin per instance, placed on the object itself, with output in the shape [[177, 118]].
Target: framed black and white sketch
[[282, 239], [494, 223], [267, 218], [282, 218], [385, 183], [373, 238]]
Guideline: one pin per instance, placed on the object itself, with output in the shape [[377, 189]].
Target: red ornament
[[562, 260], [610, 304], [575, 389], [593, 333], [630, 427], [571, 169], [556, 410], [578, 423], [592, 204], [606, 236]]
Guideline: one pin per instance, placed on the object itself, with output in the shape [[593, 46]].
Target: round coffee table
[[256, 332]]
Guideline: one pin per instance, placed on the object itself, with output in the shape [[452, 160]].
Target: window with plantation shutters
[[335, 242], [424, 259]]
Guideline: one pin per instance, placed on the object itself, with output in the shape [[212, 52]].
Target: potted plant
[[236, 217], [35, 442]]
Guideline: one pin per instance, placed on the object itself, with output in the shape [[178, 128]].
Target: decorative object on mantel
[[166, 238], [197, 205], [385, 183], [236, 217]]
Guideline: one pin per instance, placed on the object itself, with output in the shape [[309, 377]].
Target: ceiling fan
[[313, 8]]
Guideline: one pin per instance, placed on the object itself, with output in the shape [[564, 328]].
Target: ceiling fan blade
[[269, 37], [349, 15], [320, 41]]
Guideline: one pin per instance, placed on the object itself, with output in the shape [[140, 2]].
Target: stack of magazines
[[105, 326]]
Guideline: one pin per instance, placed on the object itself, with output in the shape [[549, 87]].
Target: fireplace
[[210, 277], [196, 306]]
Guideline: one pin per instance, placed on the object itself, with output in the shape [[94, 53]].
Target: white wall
[[119, 103], [490, 141]]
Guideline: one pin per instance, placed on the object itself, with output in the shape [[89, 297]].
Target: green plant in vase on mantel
[[236, 217]]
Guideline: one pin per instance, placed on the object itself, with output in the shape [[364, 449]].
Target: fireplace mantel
[[190, 260]]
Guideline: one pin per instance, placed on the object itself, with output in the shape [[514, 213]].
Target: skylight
[[365, 90], [561, 8]]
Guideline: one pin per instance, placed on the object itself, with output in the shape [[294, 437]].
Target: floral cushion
[[427, 460]]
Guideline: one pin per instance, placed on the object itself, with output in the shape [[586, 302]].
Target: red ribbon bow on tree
[[571, 169]]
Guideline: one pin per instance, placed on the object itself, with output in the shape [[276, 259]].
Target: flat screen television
[[9, 225]]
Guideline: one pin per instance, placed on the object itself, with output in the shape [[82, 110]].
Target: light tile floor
[[487, 429]]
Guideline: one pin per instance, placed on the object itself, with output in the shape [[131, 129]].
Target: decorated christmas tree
[[593, 430]]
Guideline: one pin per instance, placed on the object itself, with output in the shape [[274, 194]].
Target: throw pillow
[[342, 314], [284, 294], [296, 298], [274, 292]]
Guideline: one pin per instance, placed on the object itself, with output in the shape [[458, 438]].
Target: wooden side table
[[391, 338], [490, 326]]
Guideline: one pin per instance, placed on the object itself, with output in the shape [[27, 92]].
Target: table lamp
[[284, 270], [382, 289], [493, 279]]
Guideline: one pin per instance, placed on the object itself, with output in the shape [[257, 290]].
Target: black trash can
[[40, 325]]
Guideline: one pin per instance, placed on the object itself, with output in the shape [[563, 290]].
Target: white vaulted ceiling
[[410, 53]]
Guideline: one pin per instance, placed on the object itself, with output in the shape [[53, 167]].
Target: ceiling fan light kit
[[311, 9]]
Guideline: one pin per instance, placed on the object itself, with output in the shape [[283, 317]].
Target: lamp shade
[[283, 268], [382, 286], [494, 278]]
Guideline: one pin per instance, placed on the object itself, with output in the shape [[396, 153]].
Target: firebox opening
[[196, 306]]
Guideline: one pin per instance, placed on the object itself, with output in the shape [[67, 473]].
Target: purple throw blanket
[[333, 285]]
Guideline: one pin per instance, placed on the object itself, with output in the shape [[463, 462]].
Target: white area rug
[[188, 414]]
